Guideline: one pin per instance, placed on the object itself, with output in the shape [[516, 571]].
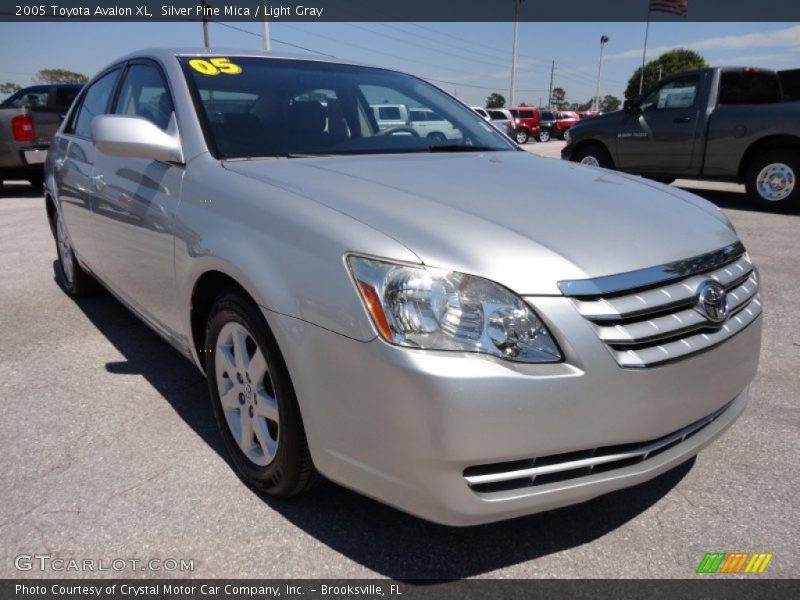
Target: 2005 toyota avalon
[[368, 304]]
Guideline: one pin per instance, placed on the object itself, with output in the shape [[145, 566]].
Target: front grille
[[649, 324], [519, 474]]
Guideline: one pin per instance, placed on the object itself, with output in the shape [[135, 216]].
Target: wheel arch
[[209, 286], [765, 144]]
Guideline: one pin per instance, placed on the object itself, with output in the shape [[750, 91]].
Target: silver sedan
[[367, 306]]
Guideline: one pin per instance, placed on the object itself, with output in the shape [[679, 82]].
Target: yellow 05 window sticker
[[215, 66]]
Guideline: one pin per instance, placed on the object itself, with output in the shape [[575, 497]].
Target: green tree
[[9, 87], [674, 61], [59, 76], [559, 98], [495, 100], [581, 105], [609, 103]]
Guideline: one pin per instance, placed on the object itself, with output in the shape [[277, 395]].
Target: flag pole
[[644, 51]]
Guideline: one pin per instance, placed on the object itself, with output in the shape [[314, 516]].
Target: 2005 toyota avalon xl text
[[400, 311]]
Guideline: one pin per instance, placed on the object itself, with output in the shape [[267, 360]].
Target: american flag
[[676, 7]]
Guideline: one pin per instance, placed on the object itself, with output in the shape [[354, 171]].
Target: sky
[[471, 60]]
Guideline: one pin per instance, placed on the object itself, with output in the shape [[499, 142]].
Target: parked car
[[727, 124], [482, 112], [28, 119], [375, 309], [391, 116], [502, 119], [547, 124], [588, 114], [565, 120], [528, 123], [430, 125]]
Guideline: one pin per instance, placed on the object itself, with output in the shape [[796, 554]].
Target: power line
[[273, 38]]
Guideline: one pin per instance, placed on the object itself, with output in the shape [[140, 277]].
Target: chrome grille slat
[[598, 457], [641, 303], [681, 322], [647, 326]]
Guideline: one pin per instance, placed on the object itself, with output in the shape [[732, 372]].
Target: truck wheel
[[594, 155], [772, 180], [522, 136], [544, 135], [254, 401]]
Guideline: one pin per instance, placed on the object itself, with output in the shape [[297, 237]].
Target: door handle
[[682, 120], [98, 183]]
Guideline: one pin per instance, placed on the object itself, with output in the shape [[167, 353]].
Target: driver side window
[[678, 93], [144, 94]]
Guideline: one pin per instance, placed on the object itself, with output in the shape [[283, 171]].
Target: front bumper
[[402, 426]]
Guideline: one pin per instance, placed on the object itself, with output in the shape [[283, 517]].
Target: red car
[[528, 122], [564, 120], [588, 114]]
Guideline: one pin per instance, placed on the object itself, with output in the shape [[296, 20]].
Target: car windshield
[[253, 106]]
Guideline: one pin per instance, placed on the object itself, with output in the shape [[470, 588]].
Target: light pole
[[603, 41], [514, 52]]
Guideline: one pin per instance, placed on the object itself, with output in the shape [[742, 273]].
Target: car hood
[[523, 221]]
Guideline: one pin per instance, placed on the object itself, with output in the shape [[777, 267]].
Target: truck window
[[389, 113], [749, 87], [678, 93]]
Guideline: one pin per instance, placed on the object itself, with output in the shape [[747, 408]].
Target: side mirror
[[135, 137], [631, 108]]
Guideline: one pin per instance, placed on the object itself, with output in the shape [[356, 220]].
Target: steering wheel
[[399, 129]]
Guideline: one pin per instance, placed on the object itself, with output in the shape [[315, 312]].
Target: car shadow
[[735, 200], [382, 539], [20, 189]]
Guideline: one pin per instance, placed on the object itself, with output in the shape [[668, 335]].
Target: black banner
[[712, 588], [404, 10]]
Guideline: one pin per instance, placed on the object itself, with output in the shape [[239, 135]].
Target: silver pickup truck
[[28, 120], [727, 124]]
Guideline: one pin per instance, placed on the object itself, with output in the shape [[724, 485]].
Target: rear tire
[[437, 137], [772, 180], [76, 281], [253, 400], [594, 155], [522, 136], [544, 135]]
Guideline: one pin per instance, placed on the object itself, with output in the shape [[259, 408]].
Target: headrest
[[307, 117]]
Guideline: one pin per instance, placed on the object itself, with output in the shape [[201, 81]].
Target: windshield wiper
[[459, 148]]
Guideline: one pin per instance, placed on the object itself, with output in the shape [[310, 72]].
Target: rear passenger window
[[749, 87], [95, 102], [144, 94]]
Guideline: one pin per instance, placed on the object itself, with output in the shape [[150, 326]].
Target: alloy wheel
[[246, 393]]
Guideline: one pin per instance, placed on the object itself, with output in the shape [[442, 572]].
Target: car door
[[134, 206], [73, 167], [658, 136]]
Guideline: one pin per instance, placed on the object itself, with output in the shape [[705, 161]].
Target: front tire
[[437, 137], [522, 136], [253, 400], [594, 155], [772, 180], [544, 135]]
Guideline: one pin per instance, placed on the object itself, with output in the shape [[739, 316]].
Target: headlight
[[432, 309]]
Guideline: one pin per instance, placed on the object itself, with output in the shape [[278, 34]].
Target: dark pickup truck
[[28, 120], [726, 124]]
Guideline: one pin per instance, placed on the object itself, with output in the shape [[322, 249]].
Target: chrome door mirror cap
[[135, 137]]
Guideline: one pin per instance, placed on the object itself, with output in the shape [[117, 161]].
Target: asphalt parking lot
[[108, 450]]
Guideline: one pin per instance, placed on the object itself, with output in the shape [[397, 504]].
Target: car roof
[[168, 53]]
